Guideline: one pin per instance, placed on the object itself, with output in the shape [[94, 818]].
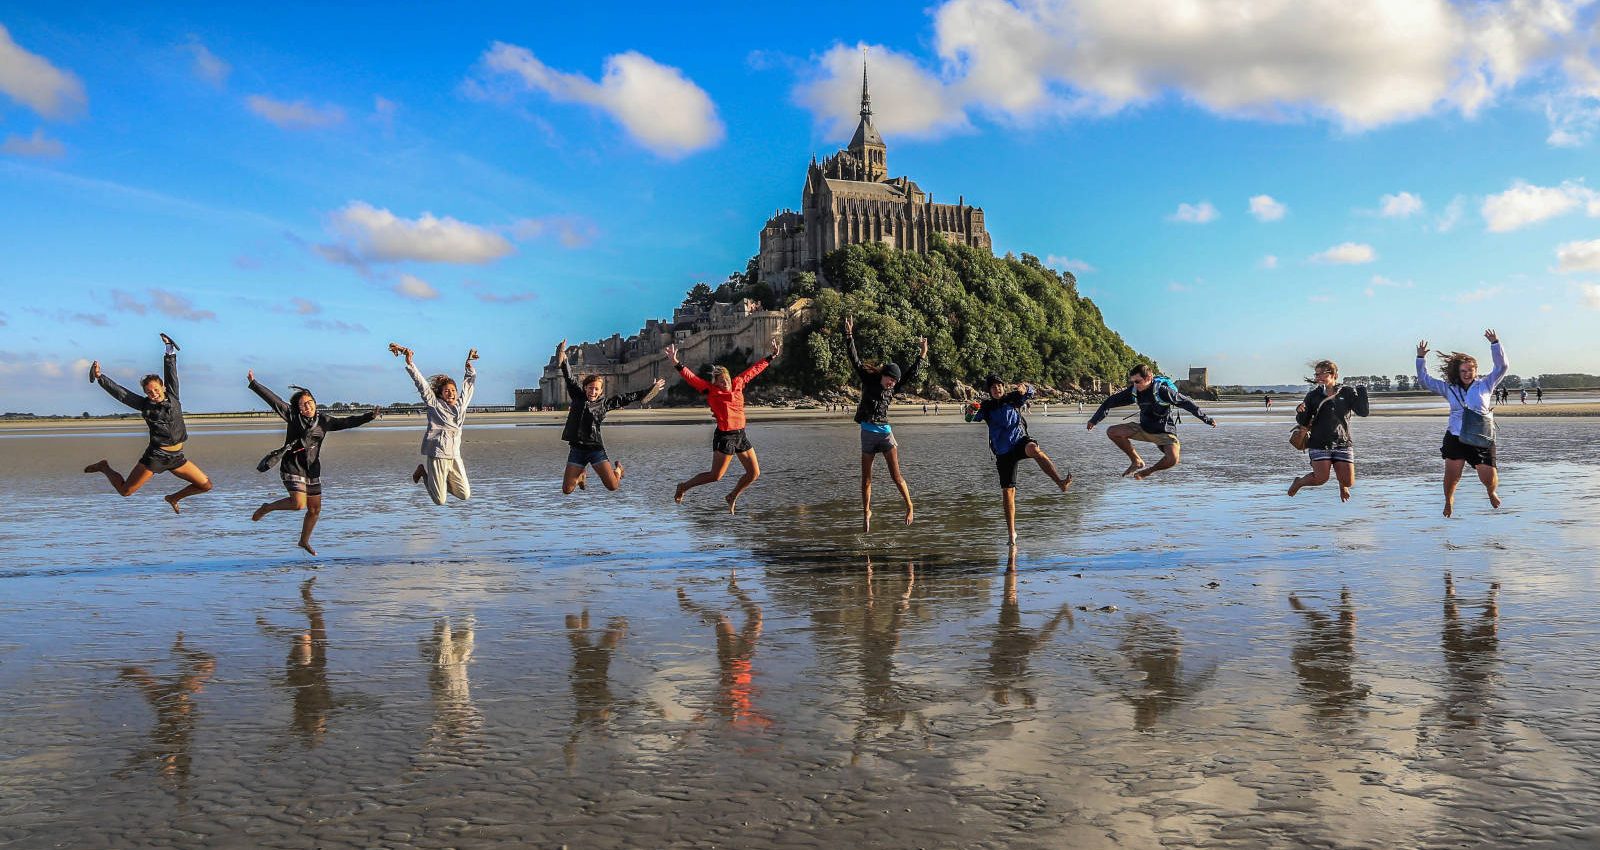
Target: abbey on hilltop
[[849, 199]]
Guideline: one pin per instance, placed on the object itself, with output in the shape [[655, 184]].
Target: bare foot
[[1295, 485], [866, 521], [732, 501], [416, 475], [620, 472], [173, 501], [1344, 494], [306, 545], [910, 513], [266, 508], [1494, 499], [1013, 540], [1138, 464], [1449, 506], [678, 496], [582, 483], [1065, 482], [1143, 474], [97, 466]]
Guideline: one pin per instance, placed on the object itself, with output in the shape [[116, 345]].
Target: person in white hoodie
[[442, 469], [1469, 437]]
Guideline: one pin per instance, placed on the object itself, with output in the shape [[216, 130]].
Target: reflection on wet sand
[[1012, 645], [456, 718], [1471, 651], [172, 699], [1153, 654], [1323, 656], [884, 703], [736, 690], [306, 668], [591, 678]]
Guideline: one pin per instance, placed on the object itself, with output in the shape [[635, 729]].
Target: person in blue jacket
[[1009, 440], [1156, 397]]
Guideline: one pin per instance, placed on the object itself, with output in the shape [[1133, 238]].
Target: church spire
[[866, 98], [866, 144]]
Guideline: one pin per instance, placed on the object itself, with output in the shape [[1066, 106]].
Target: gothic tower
[[866, 144]]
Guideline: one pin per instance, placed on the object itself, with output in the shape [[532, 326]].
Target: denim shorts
[[579, 456]]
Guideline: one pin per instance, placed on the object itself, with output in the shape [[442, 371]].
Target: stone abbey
[[849, 199]]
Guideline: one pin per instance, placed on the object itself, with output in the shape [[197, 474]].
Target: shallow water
[[1191, 661]]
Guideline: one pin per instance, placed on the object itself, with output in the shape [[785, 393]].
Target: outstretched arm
[[114, 389], [850, 344], [169, 370], [915, 368], [1121, 398], [639, 397], [421, 383], [1424, 379], [278, 405], [469, 381], [1184, 402], [1498, 353], [690, 378], [341, 423]]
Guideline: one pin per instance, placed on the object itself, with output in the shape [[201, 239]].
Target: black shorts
[[730, 442], [1007, 463], [1454, 449], [159, 460]]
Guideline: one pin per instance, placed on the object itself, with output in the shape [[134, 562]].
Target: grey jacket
[[443, 437]]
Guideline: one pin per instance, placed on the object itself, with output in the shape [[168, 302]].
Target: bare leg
[[719, 467], [752, 471], [1049, 467], [893, 457], [295, 501], [1169, 459], [307, 525], [140, 476], [1490, 477], [1119, 435], [571, 478], [866, 493], [1317, 477], [1009, 499], [1452, 477], [198, 483], [610, 475], [1347, 479]]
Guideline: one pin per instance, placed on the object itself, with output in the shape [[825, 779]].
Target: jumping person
[[300, 456], [163, 416], [1467, 393], [442, 469], [879, 384], [1009, 440], [1326, 411], [1156, 397], [586, 410], [725, 396]]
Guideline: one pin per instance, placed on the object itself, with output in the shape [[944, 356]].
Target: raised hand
[[472, 354], [659, 385], [94, 371], [1491, 336], [250, 376], [922, 342], [1422, 348], [849, 326], [561, 351], [671, 351], [397, 350], [777, 347]]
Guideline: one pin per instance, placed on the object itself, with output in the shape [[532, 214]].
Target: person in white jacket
[[1467, 391], [442, 469]]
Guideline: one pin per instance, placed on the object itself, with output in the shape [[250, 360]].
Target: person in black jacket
[[163, 416], [1326, 411], [300, 458], [1156, 397], [879, 385], [586, 410]]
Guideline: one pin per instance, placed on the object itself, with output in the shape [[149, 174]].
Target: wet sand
[[1191, 661]]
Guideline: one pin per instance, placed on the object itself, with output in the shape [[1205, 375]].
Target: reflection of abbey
[[848, 199]]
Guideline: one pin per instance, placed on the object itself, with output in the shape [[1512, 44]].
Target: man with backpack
[[1156, 396]]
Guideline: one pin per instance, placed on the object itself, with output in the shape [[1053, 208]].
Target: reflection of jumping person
[[1324, 657], [163, 416], [591, 677], [172, 699], [1326, 411], [1012, 645], [1156, 397], [306, 668], [1009, 440], [456, 717], [725, 396], [879, 385], [736, 651], [301, 454], [1470, 651], [1467, 393], [442, 469], [587, 407]]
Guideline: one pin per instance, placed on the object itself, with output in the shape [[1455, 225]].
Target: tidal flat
[[1191, 661]]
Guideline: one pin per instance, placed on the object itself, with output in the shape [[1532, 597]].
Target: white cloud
[[1591, 295], [1482, 293], [570, 230], [1270, 261], [1068, 264], [207, 65], [37, 145], [415, 288], [1399, 205], [1578, 256], [656, 104], [1525, 204], [295, 115], [1200, 213], [336, 326], [32, 81], [372, 235], [1346, 254], [906, 100], [167, 303], [1380, 280], [1266, 208], [1452, 214]]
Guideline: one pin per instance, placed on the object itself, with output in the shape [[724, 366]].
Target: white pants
[[446, 475]]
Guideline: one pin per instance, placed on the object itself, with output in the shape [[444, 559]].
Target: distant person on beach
[[586, 410], [163, 416], [1538, 395], [879, 385], [1469, 435], [1009, 440], [1156, 398], [1268, 402], [725, 396], [299, 460], [1524, 395], [442, 469], [1326, 411]]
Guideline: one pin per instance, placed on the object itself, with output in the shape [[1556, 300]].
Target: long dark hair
[[1450, 366]]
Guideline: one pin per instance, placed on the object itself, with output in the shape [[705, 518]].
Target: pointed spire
[[866, 99]]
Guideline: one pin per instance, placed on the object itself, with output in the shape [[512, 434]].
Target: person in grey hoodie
[[442, 469]]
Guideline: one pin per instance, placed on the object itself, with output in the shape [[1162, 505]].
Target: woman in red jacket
[[725, 395]]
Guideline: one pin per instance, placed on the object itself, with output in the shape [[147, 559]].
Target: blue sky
[[291, 189]]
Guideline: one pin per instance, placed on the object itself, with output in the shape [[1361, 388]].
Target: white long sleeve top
[[443, 437], [1478, 397]]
